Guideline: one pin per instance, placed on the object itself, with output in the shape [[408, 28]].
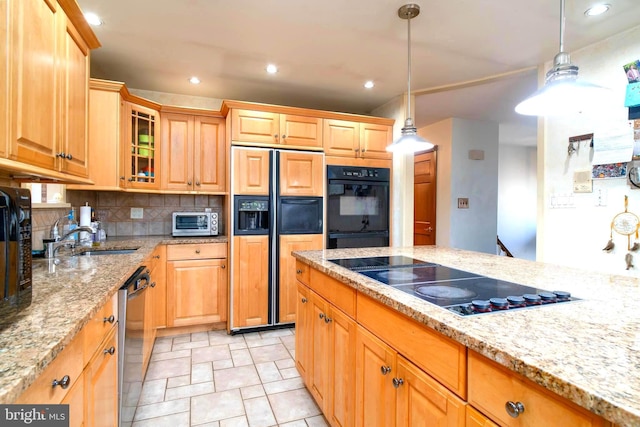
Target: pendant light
[[409, 141], [562, 92]]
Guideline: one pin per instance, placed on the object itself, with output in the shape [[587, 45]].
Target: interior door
[[424, 199]]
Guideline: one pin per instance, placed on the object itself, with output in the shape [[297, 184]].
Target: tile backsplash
[[113, 210]]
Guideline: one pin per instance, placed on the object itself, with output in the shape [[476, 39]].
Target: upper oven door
[[357, 206], [300, 215]]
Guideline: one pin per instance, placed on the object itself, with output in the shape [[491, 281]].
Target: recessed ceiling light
[[369, 84], [272, 69], [194, 80], [93, 19], [597, 9]]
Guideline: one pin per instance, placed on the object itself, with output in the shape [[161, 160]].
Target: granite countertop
[[587, 351], [67, 292]]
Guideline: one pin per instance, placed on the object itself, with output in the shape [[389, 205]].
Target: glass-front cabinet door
[[141, 147]]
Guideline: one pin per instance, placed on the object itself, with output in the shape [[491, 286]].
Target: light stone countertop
[[67, 292], [587, 351]]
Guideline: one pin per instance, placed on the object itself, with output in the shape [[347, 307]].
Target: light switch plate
[[137, 213]]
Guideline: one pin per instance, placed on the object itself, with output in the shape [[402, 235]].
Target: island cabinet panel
[[476, 419], [251, 172], [339, 294], [340, 403], [492, 386], [439, 356], [303, 333], [319, 378]]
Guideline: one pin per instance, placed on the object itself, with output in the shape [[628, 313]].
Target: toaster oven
[[195, 224]]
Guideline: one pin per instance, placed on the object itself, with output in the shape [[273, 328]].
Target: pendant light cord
[[409, 67], [561, 25]]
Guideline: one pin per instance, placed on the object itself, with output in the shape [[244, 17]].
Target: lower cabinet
[[196, 284], [250, 281], [476, 419], [84, 374]]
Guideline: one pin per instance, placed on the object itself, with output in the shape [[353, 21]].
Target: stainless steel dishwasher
[[131, 312]]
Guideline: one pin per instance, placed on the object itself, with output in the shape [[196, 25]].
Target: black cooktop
[[459, 291]]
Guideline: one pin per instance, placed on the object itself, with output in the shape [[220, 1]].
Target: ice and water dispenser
[[251, 215]]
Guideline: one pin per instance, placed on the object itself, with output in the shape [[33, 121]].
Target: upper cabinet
[[193, 153], [140, 152], [4, 83], [274, 129], [48, 56], [357, 140]]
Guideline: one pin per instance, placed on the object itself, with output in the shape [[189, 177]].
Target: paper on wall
[[613, 148]]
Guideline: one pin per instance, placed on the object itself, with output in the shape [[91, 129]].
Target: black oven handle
[[357, 234], [359, 182]]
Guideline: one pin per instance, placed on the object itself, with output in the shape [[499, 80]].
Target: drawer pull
[[321, 315], [110, 350], [304, 300], [385, 369], [109, 319], [397, 382], [63, 383], [156, 256], [298, 271], [153, 284], [514, 409], [197, 251]]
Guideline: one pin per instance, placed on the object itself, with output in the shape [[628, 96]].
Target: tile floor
[[211, 379]]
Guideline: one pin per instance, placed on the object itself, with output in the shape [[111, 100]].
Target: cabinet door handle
[[397, 382], [61, 154], [321, 315], [130, 179], [156, 256], [198, 183], [304, 300], [197, 251], [514, 409], [275, 136], [357, 151], [385, 369], [223, 266], [109, 319], [111, 351], [298, 271], [284, 136], [327, 319], [63, 383], [69, 156], [188, 182], [122, 178], [153, 284]]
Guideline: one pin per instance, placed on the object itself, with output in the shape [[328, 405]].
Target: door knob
[[304, 300], [514, 409], [110, 350], [198, 183], [109, 319], [69, 156], [397, 382], [385, 369], [197, 251], [63, 383]]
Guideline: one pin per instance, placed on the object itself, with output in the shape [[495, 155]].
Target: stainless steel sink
[[107, 252]]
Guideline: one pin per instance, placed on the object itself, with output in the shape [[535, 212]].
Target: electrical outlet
[[137, 213], [463, 203]]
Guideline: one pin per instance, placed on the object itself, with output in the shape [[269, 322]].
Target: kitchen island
[[68, 291], [586, 351]]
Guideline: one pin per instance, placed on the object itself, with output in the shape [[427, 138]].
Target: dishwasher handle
[[140, 283]]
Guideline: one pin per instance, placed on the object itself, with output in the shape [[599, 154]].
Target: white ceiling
[[327, 49]]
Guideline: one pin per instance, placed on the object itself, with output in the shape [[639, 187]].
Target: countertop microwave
[[195, 224]]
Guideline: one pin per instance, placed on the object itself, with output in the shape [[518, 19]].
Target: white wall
[[517, 188], [458, 176], [575, 236]]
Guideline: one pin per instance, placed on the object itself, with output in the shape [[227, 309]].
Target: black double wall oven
[[357, 207]]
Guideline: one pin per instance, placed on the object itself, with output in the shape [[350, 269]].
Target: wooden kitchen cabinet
[[251, 171], [194, 153], [101, 384], [49, 75], [303, 332], [287, 276], [250, 297], [301, 174], [492, 386], [356, 140], [140, 147], [4, 80], [196, 284], [266, 128], [476, 419], [157, 264]]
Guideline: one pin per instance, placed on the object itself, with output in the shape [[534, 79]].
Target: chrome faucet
[[51, 246]]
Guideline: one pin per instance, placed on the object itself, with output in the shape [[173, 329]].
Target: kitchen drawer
[[302, 272], [66, 363], [439, 356], [491, 386], [99, 326], [339, 294], [196, 251]]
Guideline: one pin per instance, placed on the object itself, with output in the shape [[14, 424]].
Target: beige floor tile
[[186, 345], [289, 373], [286, 363], [252, 391], [259, 412], [289, 342], [211, 424], [189, 390], [157, 410], [208, 354], [235, 422], [168, 368], [201, 372], [284, 385], [222, 364], [170, 355], [297, 423], [276, 333], [268, 372], [233, 378], [269, 353], [179, 381], [317, 421], [173, 420], [293, 405], [261, 342], [199, 336], [152, 391], [241, 357], [216, 406], [162, 344], [238, 345], [221, 337], [180, 339]]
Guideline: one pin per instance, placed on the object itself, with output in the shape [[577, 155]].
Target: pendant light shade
[[409, 141], [562, 92]]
